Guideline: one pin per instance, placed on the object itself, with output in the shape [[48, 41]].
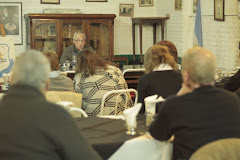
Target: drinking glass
[[131, 125], [6, 79]]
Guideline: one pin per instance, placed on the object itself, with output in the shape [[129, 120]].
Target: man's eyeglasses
[[79, 40]]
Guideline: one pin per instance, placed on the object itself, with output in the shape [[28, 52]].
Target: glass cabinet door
[[69, 28], [98, 38], [45, 37]]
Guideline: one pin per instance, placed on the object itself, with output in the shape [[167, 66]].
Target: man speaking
[[79, 40]]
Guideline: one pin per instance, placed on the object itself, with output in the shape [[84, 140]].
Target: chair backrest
[[223, 149], [141, 70], [132, 75], [57, 96], [118, 94], [75, 109], [120, 59]]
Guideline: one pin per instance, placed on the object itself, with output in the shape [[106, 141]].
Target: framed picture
[[238, 8], [51, 30], [50, 1], [178, 5], [126, 10], [145, 3], [11, 18], [96, 0], [219, 10], [195, 6]]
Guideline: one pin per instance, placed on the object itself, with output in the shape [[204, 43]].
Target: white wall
[[221, 38], [122, 25]]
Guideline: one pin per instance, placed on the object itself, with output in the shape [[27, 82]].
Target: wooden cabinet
[[55, 31]]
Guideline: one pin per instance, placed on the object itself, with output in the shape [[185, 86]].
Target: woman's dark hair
[[88, 62], [53, 59]]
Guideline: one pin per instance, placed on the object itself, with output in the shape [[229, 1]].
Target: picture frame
[[238, 8], [126, 10], [50, 1], [145, 3], [11, 18], [96, 0], [195, 6], [178, 5], [51, 30], [219, 10]]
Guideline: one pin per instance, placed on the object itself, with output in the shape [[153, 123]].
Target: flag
[[197, 39]]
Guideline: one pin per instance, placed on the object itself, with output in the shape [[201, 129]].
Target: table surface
[[107, 135]]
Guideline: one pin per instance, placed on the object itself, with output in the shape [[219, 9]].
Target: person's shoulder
[[149, 76], [70, 47], [225, 92], [53, 109], [65, 78], [88, 47], [170, 102]]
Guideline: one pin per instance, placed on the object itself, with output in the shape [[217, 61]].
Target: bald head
[[200, 65]]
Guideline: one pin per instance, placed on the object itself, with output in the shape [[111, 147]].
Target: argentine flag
[[197, 39]]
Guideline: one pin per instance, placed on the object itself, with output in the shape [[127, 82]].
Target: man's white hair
[[200, 64], [77, 33], [31, 68]]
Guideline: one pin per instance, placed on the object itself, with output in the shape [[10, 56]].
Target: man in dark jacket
[[79, 41], [32, 128], [200, 113]]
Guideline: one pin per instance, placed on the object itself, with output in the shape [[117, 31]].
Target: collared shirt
[[163, 67]]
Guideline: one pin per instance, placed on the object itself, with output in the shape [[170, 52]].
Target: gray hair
[[31, 68], [79, 32], [200, 64]]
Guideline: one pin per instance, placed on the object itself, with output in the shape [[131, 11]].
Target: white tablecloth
[[143, 148]]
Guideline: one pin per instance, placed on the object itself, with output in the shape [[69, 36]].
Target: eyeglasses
[[79, 40]]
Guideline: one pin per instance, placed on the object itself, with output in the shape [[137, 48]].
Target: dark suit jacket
[[33, 129], [162, 83], [195, 119], [68, 53], [233, 83]]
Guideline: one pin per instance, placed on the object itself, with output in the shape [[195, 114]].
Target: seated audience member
[[171, 47], [79, 40], [233, 84], [58, 82], [30, 127], [162, 76], [200, 113], [95, 77]]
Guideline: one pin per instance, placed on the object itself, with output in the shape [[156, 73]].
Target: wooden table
[[141, 21]]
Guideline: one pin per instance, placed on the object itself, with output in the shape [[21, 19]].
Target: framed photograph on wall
[[145, 3], [50, 1], [96, 0], [11, 18], [126, 10], [219, 10], [178, 5], [195, 6], [238, 8]]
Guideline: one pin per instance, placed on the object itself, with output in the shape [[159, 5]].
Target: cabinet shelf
[[45, 38]]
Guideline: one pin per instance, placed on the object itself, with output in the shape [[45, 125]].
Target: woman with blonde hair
[[171, 47], [94, 77], [162, 76]]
